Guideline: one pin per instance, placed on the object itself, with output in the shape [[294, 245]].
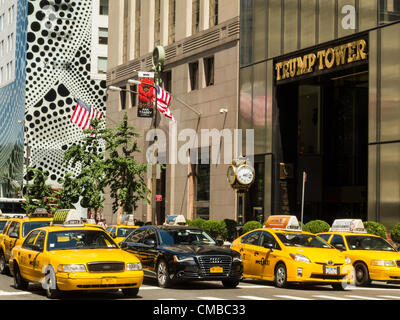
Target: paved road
[[247, 290]]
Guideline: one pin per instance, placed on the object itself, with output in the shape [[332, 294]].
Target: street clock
[[158, 57], [241, 175]]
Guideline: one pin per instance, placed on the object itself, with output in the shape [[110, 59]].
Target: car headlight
[[133, 266], [299, 257], [347, 260], [383, 263], [71, 268], [183, 259], [237, 259]]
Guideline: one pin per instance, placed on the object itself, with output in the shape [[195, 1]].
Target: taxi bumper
[[103, 281], [313, 272], [384, 273]]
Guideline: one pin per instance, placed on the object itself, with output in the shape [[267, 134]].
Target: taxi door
[[266, 256], [25, 255], [250, 251], [11, 238], [39, 261]]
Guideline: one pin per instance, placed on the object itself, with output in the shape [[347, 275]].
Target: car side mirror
[[123, 244], [219, 242], [269, 246], [14, 235], [36, 247], [150, 242], [113, 235], [340, 247]]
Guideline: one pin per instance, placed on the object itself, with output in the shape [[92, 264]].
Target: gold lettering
[[301, 65], [329, 58], [361, 45], [285, 74], [351, 53], [278, 68], [311, 62], [340, 53], [321, 55], [292, 67]]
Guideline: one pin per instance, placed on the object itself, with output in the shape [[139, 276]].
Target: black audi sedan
[[173, 252]]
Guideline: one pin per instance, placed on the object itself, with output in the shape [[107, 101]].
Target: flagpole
[[302, 196]]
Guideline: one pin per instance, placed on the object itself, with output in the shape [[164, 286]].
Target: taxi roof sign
[[175, 220], [67, 217], [288, 223], [348, 225], [40, 212]]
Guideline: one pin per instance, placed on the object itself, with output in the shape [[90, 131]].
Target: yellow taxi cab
[[69, 256], [283, 253], [120, 232], [372, 257], [15, 231]]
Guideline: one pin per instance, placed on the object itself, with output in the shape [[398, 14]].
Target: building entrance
[[322, 129]]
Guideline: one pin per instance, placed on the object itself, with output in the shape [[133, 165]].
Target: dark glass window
[[209, 70], [30, 239], [103, 35], [246, 32], [194, 75], [123, 98], [252, 238], [389, 11], [136, 236], [103, 7]]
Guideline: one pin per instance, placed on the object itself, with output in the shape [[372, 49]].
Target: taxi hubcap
[[280, 275]]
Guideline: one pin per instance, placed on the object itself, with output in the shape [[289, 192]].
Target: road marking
[[390, 297], [149, 288], [7, 293], [255, 287], [331, 297], [166, 299], [253, 298], [292, 297], [365, 298], [210, 298]]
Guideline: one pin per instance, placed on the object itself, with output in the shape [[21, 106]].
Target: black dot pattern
[[57, 72]]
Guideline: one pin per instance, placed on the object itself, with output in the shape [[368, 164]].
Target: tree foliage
[[38, 193]]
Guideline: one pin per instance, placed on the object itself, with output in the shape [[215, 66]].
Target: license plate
[[216, 270], [108, 281], [331, 270]]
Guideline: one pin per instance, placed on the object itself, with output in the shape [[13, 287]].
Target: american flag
[[83, 114], [163, 101]]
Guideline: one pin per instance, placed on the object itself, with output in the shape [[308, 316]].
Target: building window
[[102, 65], [167, 80], [123, 98], [213, 13], [137, 28], [103, 35], [209, 71], [389, 11], [1, 48], [103, 8], [157, 23], [171, 21], [201, 170], [2, 75], [133, 90], [194, 75], [195, 16]]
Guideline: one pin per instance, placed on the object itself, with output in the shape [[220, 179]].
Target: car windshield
[[79, 239], [368, 243], [302, 240], [123, 232], [186, 236], [30, 225]]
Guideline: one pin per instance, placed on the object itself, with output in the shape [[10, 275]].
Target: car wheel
[[230, 284], [3, 265], [19, 282], [50, 284], [280, 277], [131, 292], [361, 274], [163, 275]]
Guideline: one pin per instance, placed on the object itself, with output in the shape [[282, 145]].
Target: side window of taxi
[[6, 226], [14, 229], [338, 242], [252, 238], [136, 236], [325, 236], [30, 240], [268, 241], [39, 244]]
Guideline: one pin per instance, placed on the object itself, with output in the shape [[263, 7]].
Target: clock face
[[245, 175], [155, 56], [231, 175]]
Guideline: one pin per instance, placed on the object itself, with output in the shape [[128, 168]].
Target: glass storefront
[[337, 121]]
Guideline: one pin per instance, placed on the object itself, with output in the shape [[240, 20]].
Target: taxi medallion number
[[330, 270], [216, 270]]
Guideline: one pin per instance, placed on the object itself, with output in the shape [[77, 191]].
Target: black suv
[[171, 253]]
